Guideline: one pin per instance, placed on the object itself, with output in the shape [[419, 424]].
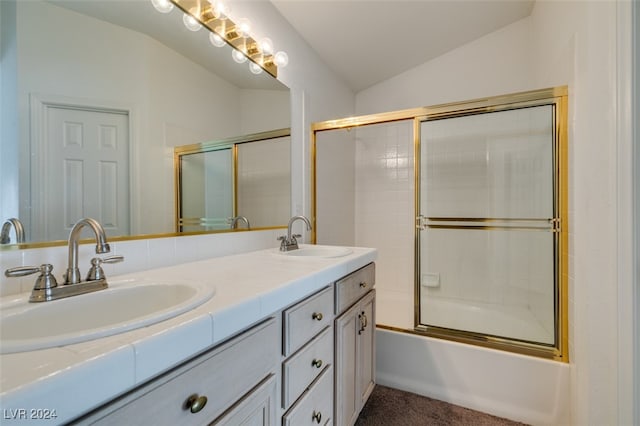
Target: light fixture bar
[[228, 31]]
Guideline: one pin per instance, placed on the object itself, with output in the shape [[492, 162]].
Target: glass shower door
[[487, 223]]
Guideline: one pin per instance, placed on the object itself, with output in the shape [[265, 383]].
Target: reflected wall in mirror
[[240, 183], [118, 86]]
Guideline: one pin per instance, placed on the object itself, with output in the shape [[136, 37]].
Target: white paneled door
[[90, 151]]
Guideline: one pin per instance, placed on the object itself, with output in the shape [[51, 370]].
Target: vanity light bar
[[217, 22]]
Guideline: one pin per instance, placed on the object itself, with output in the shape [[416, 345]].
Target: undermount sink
[[125, 305], [318, 251]]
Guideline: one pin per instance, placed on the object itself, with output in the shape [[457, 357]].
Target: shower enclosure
[[467, 206]]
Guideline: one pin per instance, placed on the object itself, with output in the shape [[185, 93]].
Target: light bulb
[[255, 68], [216, 40], [219, 7], [243, 27], [191, 23], [238, 56], [162, 6], [266, 45], [281, 59]]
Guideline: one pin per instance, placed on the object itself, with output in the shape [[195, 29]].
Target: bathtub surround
[[377, 186]]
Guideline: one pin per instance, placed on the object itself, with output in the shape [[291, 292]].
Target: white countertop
[[76, 378]]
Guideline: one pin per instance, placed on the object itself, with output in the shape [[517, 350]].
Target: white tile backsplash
[[139, 254]]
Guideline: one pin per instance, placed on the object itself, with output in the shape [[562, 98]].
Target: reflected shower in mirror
[[205, 196], [106, 90], [239, 183]]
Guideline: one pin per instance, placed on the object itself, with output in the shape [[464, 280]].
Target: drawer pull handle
[[363, 285], [317, 316], [363, 322], [195, 403], [316, 363], [317, 416]]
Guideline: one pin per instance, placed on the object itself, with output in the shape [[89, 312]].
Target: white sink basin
[[124, 306], [318, 251]]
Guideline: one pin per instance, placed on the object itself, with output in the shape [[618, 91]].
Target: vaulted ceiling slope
[[369, 41]]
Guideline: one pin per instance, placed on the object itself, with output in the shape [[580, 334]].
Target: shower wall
[[365, 197], [335, 189], [384, 209]]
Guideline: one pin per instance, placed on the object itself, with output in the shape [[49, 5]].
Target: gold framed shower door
[[558, 224]]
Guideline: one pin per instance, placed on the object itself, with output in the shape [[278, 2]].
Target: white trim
[[626, 336], [38, 150]]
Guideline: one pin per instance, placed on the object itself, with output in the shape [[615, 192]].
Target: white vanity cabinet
[[307, 369], [234, 383], [261, 351], [354, 343]]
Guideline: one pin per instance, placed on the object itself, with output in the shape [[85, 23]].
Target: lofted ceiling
[[368, 41], [363, 41]]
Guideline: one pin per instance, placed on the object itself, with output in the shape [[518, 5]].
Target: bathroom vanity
[[288, 340]]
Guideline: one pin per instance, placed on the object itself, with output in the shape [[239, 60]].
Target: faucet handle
[[45, 280], [22, 271], [96, 272]]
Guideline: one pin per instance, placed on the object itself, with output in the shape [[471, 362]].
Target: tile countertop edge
[[123, 356]]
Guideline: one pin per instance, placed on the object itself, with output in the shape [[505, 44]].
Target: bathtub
[[488, 318], [518, 387]]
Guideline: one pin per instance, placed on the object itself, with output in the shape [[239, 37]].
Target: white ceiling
[[363, 41], [368, 41]]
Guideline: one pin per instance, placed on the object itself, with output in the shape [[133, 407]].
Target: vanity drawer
[[316, 405], [355, 285], [223, 375], [306, 319], [301, 369]]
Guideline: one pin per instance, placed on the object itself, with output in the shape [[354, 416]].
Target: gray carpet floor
[[392, 407]]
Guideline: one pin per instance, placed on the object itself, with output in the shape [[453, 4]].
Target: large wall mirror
[[95, 97]]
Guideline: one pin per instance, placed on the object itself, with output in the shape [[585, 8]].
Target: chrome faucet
[[46, 287], [73, 273], [6, 227], [235, 220], [290, 242]]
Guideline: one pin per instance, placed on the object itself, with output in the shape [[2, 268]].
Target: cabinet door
[[346, 366], [367, 347], [256, 409]]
